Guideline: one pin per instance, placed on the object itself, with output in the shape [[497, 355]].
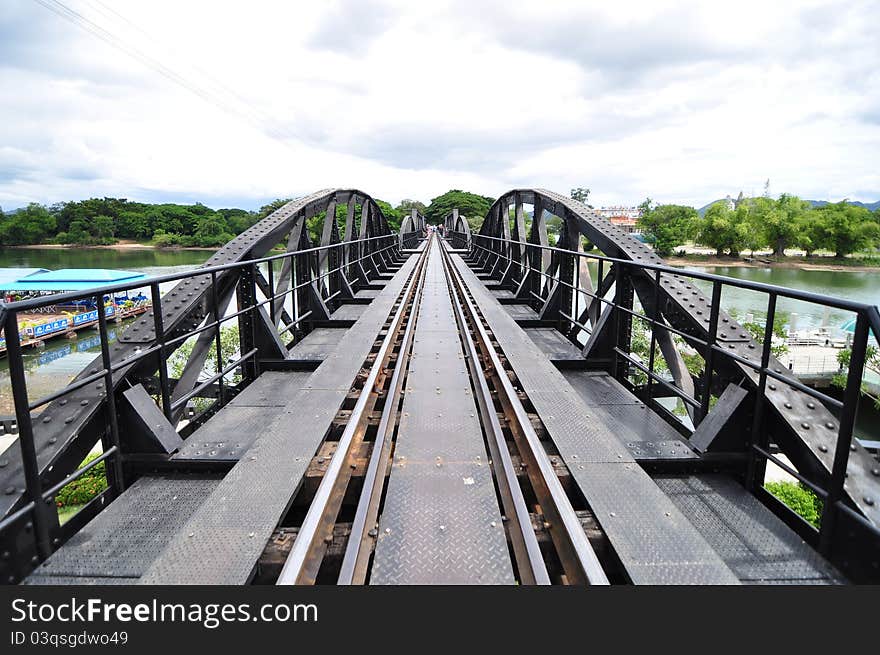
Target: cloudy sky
[[237, 103]]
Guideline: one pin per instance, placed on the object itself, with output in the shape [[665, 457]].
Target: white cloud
[[680, 101]]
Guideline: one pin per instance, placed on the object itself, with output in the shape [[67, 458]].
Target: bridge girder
[[67, 428], [804, 429]]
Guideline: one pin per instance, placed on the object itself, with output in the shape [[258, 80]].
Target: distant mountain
[[870, 206]]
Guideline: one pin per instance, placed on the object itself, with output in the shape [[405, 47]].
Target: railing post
[[848, 415], [757, 464], [114, 469], [714, 310], [655, 316], [159, 328], [623, 299], [218, 343], [30, 465]]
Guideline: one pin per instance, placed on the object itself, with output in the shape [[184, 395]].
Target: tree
[[667, 226], [720, 229], [406, 206], [471, 205], [580, 194], [848, 228], [393, 216], [778, 220], [33, 224], [211, 231]]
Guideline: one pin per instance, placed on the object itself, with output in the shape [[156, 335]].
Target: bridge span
[[440, 407]]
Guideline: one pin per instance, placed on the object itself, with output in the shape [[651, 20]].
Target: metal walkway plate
[[756, 544], [440, 523], [653, 540], [554, 345], [644, 432], [317, 344], [231, 431], [223, 540], [119, 544], [348, 312]]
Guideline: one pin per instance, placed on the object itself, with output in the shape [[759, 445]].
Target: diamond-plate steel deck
[[122, 541], [348, 313], [645, 434], [440, 523], [223, 540], [755, 544], [231, 431], [317, 344], [521, 312], [652, 538], [554, 345]]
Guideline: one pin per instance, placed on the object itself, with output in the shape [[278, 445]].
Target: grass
[[799, 498], [64, 513]]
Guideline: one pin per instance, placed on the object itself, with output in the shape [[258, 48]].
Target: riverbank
[[812, 264], [120, 245]]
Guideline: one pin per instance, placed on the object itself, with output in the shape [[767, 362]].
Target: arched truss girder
[[457, 229], [67, 429], [412, 228], [681, 305]]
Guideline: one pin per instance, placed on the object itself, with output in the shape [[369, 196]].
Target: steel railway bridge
[[440, 407]]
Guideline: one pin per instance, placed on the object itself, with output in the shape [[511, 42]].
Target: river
[[55, 364], [61, 359]]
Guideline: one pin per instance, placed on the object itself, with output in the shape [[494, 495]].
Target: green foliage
[[844, 357], [723, 229], [845, 228], [101, 221], [393, 216], [756, 330], [667, 226], [799, 498], [470, 205], [86, 487], [230, 346], [33, 224], [406, 206], [581, 194]]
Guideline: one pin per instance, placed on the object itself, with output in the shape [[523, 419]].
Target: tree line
[[732, 227], [104, 221]]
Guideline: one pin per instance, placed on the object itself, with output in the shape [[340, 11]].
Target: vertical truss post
[[159, 329], [623, 301], [655, 322], [247, 304], [714, 311], [757, 463], [114, 466], [848, 415], [31, 467], [215, 315]]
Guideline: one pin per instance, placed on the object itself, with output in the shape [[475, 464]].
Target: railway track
[[330, 533]]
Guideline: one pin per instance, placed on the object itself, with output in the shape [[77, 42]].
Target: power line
[[64, 11]]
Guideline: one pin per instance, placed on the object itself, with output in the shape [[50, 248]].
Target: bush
[[799, 498], [87, 486]]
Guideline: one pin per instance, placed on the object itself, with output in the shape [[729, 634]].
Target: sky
[[238, 103]]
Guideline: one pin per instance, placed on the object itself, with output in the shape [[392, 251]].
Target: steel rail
[[359, 548], [527, 552], [304, 559], [576, 554]]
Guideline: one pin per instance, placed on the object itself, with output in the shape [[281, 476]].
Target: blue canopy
[[10, 275], [73, 279]]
